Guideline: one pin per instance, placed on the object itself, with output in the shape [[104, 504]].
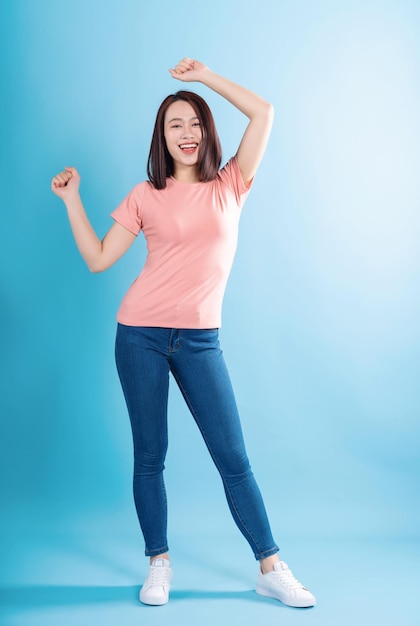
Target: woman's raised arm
[[99, 255], [260, 112]]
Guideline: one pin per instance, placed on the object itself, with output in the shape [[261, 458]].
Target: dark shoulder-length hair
[[160, 164]]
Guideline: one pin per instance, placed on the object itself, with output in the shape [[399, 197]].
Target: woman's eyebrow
[[181, 119]]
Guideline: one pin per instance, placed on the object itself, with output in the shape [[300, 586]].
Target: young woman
[[168, 321]]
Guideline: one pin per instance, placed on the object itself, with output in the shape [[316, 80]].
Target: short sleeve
[[231, 175], [129, 212]]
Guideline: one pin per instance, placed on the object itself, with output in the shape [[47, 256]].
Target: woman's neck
[[186, 174]]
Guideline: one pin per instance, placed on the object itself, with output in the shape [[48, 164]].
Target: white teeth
[[188, 145]]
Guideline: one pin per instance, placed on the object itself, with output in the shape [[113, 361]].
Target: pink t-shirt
[[191, 230]]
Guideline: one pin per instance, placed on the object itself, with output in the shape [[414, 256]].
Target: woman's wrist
[[206, 75], [73, 202]]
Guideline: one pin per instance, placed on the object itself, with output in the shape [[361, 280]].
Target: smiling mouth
[[188, 147]]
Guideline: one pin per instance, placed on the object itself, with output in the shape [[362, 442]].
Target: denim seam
[[157, 551]]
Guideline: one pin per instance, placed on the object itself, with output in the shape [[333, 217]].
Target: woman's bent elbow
[[269, 110], [96, 267]]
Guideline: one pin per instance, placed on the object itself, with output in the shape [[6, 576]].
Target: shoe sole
[[156, 603]]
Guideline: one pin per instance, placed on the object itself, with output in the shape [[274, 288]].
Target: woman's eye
[[196, 124]]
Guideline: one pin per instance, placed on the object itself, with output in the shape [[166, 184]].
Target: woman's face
[[183, 134]]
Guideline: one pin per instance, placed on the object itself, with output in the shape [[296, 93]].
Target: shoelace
[[158, 576], [285, 577]]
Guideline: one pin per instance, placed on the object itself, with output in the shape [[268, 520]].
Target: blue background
[[320, 327]]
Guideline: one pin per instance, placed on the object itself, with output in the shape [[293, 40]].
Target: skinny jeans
[[145, 356]]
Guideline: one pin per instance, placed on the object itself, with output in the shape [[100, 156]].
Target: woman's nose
[[187, 132]]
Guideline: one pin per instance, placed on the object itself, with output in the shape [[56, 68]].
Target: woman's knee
[[149, 463], [235, 465]]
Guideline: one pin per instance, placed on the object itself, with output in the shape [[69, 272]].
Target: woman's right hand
[[66, 183]]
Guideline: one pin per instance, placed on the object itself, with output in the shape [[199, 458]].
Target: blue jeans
[[144, 357]]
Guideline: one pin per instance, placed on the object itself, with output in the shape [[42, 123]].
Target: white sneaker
[[156, 587], [282, 585]]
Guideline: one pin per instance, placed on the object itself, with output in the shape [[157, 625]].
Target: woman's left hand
[[188, 70]]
